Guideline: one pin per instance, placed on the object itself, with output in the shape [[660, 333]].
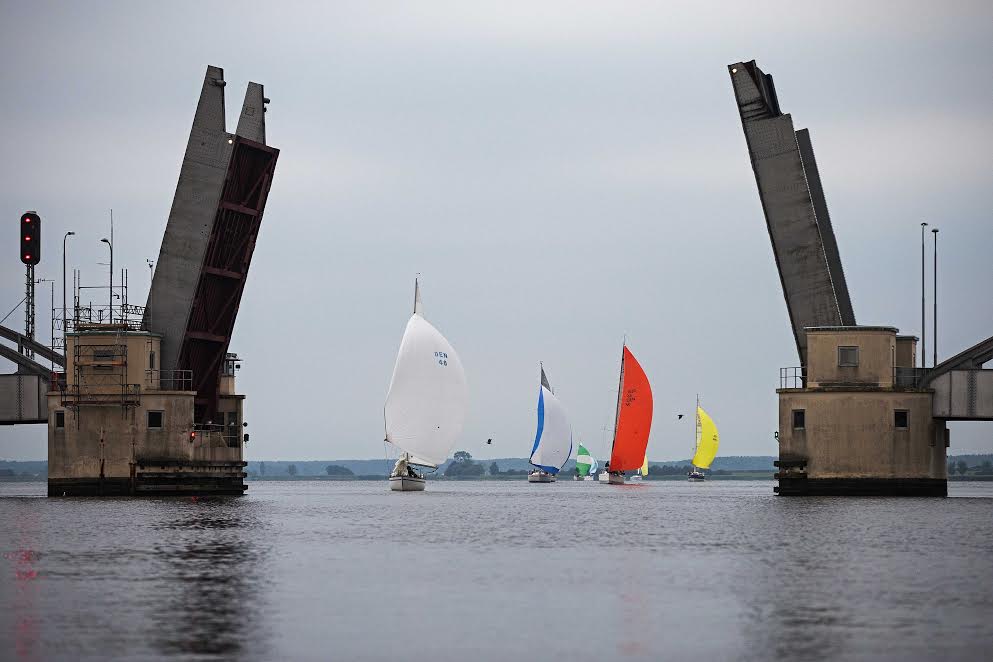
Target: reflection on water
[[870, 578], [95, 578], [211, 564], [493, 570], [19, 591]]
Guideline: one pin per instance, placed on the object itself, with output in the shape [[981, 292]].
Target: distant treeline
[[959, 467], [26, 469], [962, 468], [505, 466]]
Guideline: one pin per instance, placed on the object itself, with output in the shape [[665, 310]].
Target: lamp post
[[923, 322], [934, 339], [110, 297], [151, 277], [65, 320]]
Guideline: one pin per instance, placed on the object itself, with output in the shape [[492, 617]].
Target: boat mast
[[418, 306], [541, 382], [620, 387], [696, 428]]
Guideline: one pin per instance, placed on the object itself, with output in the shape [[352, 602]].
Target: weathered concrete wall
[[201, 179], [251, 122], [906, 351], [136, 359], [824, 227], [853, 435], [802, 243], [877, 352], [75, 450]]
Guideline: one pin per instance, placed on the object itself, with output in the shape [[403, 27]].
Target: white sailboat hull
[[541, 477], [406, 484], [588, 478], [615, 479], [636, 478], [603, 477]]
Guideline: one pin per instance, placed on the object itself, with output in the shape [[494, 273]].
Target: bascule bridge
[[145, 401], [858, 415]]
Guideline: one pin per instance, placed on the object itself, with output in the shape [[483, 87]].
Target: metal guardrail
[[793, 377], [128, 395], [214, 434], [169, 380], [909, 377], [86, 316]]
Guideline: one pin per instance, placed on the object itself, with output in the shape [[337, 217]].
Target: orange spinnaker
[[634, 416]]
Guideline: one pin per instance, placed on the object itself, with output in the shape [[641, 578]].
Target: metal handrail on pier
[[793, 377], [169, 380], [909, 378]]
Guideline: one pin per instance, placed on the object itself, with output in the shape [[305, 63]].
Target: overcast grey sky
[[560, 173]]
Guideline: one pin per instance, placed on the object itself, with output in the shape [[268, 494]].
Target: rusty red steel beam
[[225, 267]]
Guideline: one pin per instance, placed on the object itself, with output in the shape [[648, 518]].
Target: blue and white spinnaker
[[553, 441]]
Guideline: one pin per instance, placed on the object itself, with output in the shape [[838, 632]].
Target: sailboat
[[642, 472], [584, 461], [593, 469], [553, 440], [707, 441], [633, 421], [426, 403]]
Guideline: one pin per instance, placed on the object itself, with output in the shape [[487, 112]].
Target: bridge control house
[[857, 419], [147, 402], [858, 416], [119, 425]]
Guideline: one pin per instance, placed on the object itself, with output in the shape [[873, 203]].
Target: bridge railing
[[793, 377], [125, 395], [169, 380], [215, 434], [910, 378]]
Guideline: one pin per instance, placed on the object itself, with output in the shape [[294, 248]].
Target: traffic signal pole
[[29, 307], [30, 235]]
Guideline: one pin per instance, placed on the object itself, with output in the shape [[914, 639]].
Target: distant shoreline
[[979, 468], [744, 475]]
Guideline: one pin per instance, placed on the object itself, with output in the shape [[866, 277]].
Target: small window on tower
[[60, 419], [154, 420], [104, 359], [799, 419], [848, 357], [151, 360], [900, 419]]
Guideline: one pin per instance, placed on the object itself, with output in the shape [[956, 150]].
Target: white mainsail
[[553, 441], [426, 405]]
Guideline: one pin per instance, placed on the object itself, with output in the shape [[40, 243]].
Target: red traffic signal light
[[30, 232]]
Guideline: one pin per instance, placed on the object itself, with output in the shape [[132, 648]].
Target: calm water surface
[[495, 571]]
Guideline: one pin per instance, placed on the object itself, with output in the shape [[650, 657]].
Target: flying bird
[[489, 441], [679, 416]]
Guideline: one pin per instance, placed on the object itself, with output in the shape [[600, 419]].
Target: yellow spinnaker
[[644, 467], [706, 443]]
